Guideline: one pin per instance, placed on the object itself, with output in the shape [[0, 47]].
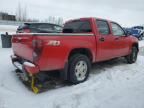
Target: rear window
[[77, 27]]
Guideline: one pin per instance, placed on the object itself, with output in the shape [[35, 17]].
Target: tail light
[[37, 49]]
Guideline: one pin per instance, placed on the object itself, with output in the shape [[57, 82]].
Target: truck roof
[[88, 18]]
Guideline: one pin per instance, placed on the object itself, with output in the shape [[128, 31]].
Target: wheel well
[[83, 51], [136, 45]]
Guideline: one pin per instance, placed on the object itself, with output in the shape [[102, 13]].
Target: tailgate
[[22, 46]]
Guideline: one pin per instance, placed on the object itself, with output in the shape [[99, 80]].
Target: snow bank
[[141, 43], [112, 84]]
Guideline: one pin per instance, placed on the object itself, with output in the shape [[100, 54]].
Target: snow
[[141, 43], [8, 28], [112, 84]]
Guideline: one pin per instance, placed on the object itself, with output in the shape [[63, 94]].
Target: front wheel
[[79, 67], [132, 57]]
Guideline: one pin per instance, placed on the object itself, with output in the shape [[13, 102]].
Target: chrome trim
[[29, 64], [57, 34]]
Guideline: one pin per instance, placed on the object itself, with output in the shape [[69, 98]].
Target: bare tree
[[55, 20], [24, 16], [60, 21], [21, 13]]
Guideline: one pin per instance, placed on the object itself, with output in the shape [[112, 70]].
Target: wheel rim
[[81, 70]]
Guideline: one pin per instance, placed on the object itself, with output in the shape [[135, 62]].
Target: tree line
[[21, 15]]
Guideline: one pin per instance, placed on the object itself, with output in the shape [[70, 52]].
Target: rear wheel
[[79, 67], [132, 57]]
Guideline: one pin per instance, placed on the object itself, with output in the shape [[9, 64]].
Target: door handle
[[102, 39]]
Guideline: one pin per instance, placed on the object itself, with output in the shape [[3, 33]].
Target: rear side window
[[103, 27], [77, 27]]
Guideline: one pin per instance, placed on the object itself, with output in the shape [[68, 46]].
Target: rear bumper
[[24, 65]]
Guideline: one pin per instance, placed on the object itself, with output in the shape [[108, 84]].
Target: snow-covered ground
[[112, 84], [141, 43]]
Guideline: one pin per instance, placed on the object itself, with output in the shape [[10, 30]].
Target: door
[[105, 41], [121, 41]]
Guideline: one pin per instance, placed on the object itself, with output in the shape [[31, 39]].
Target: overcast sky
[[125, 12]]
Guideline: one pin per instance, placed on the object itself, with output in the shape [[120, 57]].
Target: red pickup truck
[[83, 41]]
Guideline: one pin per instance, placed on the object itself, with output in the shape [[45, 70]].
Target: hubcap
[[81, 70]]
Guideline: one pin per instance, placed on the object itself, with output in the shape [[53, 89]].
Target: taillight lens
[[37, 49]]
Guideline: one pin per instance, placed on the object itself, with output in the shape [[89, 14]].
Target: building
[[6, 16]]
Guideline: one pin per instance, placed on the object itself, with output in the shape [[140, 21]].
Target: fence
[[15, 23]]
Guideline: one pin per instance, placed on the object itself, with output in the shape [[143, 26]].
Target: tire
[[79, 68], [132, 57]]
